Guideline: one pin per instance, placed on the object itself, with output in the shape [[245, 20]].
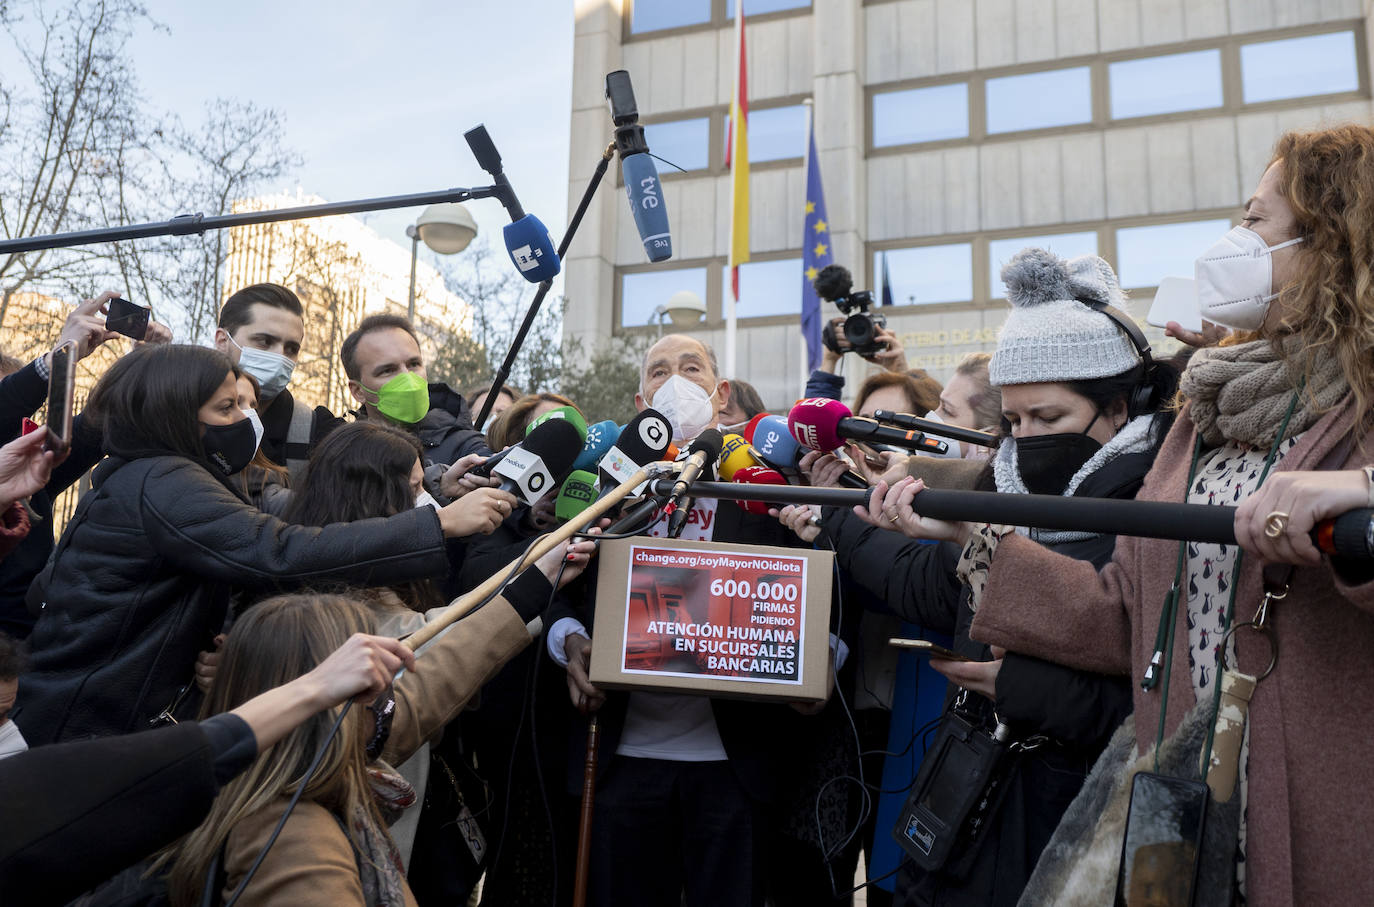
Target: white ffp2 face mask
[[272, 370], [1234, 279], [686, 406]]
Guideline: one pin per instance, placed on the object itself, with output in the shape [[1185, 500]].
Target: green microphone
[[566, 413], [576, 494]]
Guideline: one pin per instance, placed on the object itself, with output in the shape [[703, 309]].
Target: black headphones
[[1145, 397]]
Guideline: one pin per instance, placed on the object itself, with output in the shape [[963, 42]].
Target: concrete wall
[[1079, 178]]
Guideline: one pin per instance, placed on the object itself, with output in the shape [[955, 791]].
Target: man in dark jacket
[[261, 328], [386, 375]]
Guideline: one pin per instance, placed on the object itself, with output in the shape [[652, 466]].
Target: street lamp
[[446, 228], [684, 307]]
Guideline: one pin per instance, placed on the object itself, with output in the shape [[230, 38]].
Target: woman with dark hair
[[141, 578], [1085, 412]]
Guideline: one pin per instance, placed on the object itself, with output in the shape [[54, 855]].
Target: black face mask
[[1047, 462], [229, 448]]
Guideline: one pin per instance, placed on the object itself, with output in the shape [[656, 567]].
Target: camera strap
[[1164, 636]]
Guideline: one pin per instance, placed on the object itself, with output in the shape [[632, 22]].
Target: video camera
[[835, 284]]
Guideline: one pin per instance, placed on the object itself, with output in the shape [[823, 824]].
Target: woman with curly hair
[[1292, 391]]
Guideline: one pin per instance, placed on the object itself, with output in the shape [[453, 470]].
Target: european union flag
[[815, 254]]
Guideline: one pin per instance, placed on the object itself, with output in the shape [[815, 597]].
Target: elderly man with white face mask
[[684, 780]]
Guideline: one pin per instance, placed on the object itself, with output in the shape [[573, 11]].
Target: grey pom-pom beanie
[[1050, 335]]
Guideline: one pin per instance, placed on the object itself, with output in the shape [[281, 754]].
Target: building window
[[925, 274], [775, 133], [1154, 85], [642, 291], [686, 143], [1040, 100], [766, 288], [1146, 255], [758, 7], [1299, 67], [920, 115], [1065, 245], [654, 15]]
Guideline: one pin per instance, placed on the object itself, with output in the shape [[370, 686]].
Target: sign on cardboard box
[[725, 619]]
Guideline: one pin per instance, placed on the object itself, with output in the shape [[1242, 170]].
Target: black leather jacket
[[140, 582]]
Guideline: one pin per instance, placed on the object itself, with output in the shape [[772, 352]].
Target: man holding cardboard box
[[683, 780]]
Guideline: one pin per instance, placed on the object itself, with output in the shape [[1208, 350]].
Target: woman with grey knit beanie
[[1083, 407], [1276, 423]]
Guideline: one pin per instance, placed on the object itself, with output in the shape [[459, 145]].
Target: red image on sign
[[711, 614]]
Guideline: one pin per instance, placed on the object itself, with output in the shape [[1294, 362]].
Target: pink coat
[[1311, 785]]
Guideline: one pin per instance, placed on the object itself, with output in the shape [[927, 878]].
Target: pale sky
[[376, 97]]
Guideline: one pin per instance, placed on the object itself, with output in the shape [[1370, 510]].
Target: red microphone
[[758, 475], [823, 424]]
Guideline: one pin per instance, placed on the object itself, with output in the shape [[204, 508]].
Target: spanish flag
[[737, 159]]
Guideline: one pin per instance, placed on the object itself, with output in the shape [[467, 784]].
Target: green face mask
[[403, 399]]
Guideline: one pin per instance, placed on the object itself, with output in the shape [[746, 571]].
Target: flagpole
[[737, 128], [801, 328]]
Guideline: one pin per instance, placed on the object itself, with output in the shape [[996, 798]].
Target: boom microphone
[[528, 242], [637, 167], [538, 463], [823, 424], [702, 455]]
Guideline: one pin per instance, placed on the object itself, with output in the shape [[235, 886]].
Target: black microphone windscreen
[[646, 437], [710, 441], [557, 443]]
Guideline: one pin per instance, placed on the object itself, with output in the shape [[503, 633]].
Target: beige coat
[[1311, 788], [312, 862]]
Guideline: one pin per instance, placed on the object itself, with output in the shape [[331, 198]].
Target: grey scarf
[[1133, 437], [1240, 393]]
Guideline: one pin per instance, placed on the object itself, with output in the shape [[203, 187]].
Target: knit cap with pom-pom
[[1050, 335]]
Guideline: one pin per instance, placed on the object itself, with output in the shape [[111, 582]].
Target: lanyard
[[1164, 637]]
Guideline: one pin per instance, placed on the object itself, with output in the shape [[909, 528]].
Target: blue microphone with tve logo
[[528, 242], [637, 167]]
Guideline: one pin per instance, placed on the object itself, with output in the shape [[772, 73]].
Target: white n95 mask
[[271, 370], [1235, 279], [686, 407]]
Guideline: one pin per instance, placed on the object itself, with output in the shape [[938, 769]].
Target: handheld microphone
[[702, 455], [773, 442], [575, 495], [538, 463], [735, 454], [823, 424], [931, 427], [601, 436], [637, 167], [528, 243], [776, 447], [757, 475], [642, 441], [568, 413]]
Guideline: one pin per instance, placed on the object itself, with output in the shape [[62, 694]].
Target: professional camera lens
[[861, 333]]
